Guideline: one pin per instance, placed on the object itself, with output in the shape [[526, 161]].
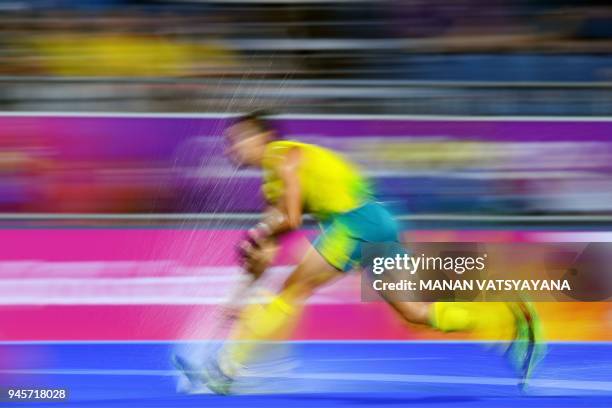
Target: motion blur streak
[[477, 121]]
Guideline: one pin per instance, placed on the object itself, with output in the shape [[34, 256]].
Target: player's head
[[247, 137]]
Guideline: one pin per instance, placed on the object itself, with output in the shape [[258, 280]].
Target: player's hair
[[257, 118]]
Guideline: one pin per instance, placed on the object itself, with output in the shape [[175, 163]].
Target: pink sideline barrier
[[335, 314]]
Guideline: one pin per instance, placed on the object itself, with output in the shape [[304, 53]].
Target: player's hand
[[244, 250], [252, 241], [258, 258]]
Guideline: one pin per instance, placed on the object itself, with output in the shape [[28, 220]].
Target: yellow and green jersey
[[329, 183]]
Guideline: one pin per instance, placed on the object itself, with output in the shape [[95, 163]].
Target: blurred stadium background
[[479, 120]]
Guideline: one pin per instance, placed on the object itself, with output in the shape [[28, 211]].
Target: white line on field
[[581, 385]]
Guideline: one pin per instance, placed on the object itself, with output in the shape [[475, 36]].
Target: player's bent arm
[[292, 200], [259, 249], [287, 215]]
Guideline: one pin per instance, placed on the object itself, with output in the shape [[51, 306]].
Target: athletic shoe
[[527, 349]]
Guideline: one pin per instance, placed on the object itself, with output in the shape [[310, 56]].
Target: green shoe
[[216, 380], [527, 349]]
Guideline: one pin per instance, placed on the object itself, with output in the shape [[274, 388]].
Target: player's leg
[[273, 320], [489, 317], [486, 320], [491, 320], [412, 312], [516, 322], [528, 347]]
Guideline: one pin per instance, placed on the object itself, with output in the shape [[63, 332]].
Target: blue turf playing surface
[[316, 374]]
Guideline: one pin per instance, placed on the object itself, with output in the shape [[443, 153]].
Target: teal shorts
[[344, 235]]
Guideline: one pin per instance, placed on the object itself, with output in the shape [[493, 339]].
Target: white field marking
[[202, 274], [444, 379], [160, 300], [165, 290], [113, 300], [88, 371], [108, 300], [229, 273], [118, 281], [224, 115], [376, 359], [581, 385]]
